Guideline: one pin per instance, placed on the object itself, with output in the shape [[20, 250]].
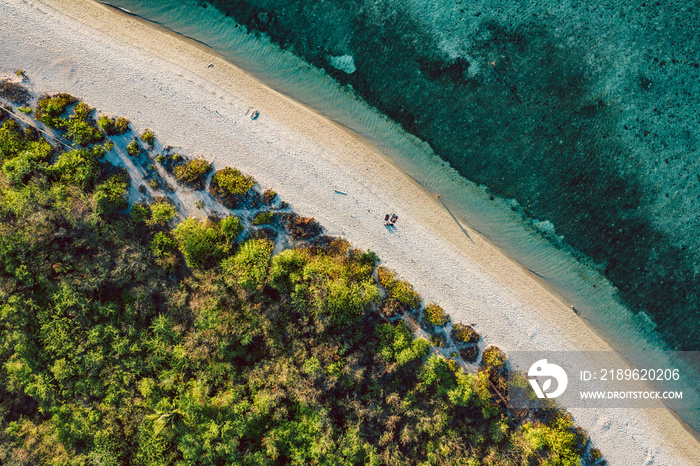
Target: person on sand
[[394, 218], [386, 218]]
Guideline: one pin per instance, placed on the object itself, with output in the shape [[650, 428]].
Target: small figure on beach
[[386, 217], [394, 218]]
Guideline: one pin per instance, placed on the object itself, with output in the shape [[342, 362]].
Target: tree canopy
[[125, 340]]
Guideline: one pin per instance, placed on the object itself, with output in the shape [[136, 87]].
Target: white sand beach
[[127, 67]]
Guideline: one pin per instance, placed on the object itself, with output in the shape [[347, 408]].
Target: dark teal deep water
[[578, 119]]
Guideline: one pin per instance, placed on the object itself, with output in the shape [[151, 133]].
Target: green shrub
[[164, 248], [83, 111], [230, 186], [50, 109], [263, 218], [21, 156], [21, 153], [113, 127], [134, 148], [26, 110], [201, 244], [493, 358], [233, 181], [140, 213], [193, 173], [77, 167], [148, 137], [556, 441], [249, 266], [12, 140], [286, 269], [464, 334], [83, 133], [324, 285], [397, 344], [162, 244], [177, 157], [162, 213], [436, 315], [400, 290], [160, 159], [106, 124], [37, 151], [110, 196], [121, 125], [231, 227], [17, 169]]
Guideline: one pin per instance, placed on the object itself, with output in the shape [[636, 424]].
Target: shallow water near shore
[[531, 242]]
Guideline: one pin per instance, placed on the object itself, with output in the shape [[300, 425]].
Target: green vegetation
[[162, 213], [400, 290], [134, 149], [231, 227], [193, 173], [230, 186], [160, 158], [148, 137], [22, 155], [113, 127], [465, 334], [121, 125], [113, 352], [50, 109], [110, 196], [264, 218], [82, 111], [202, 244], [77, 167], [80, 127], [164, 250], [249, 266], [435, 315], [26, 110]]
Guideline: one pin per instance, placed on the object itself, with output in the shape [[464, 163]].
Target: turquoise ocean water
[[574, 146]]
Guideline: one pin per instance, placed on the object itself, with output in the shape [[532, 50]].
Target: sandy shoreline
[[158, 80]]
